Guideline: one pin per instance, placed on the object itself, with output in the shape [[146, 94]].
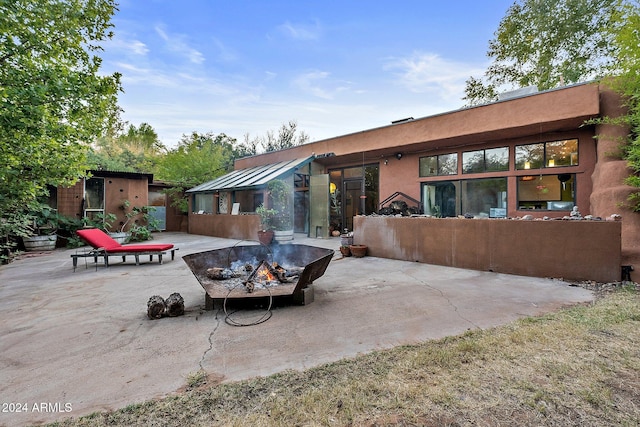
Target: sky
[[335, 67]]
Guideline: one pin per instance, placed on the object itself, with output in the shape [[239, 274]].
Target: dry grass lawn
[[577, 367]]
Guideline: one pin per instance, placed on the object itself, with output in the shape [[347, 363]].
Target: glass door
[[352, 202]]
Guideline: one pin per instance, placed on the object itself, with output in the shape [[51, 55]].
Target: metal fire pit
[[311, 259]]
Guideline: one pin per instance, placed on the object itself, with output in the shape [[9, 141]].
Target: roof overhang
[[252, 178]]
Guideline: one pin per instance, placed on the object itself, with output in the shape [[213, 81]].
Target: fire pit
[[257, 271]]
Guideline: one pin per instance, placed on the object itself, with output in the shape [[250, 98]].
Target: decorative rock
[[527, 217], [615, 217], [156, 307], [175, 305]]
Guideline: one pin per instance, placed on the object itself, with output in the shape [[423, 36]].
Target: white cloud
[[126, 45], [301, 31], [317, 84], [429, 72], [176, 43]]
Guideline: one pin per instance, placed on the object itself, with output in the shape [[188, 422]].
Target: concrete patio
[[80, 342]]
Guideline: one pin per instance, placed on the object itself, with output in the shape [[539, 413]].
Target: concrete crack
[[204, 355], [455, 308]]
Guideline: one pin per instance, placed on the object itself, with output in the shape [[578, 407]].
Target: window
[[547, 154], [203, 203], [444, 164], [489, 160], [553, 192], [484, 197], [477, 197], [93, 197]]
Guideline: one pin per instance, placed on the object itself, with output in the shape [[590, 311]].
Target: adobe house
[[105, 191], [531, 154]]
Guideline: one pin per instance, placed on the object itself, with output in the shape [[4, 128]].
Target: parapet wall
[[572, 250], [242, 227]]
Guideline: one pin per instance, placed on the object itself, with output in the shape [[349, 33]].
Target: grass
[[578, 366]]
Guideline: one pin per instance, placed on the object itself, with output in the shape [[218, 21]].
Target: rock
[[527, 217]]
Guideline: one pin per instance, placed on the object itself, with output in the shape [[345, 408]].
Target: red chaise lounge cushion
[[99, 239]]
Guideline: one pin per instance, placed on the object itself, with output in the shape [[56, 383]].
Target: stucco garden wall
[[224, 225], [573, 250]]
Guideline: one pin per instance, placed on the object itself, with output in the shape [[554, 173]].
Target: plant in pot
[[265, 234], [44, 225], [281, 194], [345, 250], [141, 227]]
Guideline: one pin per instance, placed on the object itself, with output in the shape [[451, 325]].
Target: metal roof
[[250, 178]]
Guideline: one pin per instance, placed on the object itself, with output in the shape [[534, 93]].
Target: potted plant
[[281, 195], [44, 225], [141, 227], [345, 250], [265, 234]]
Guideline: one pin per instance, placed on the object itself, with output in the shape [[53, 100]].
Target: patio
[[83, 339]]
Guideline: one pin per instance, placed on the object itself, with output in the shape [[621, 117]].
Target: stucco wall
[[573, 250], [243, 227]]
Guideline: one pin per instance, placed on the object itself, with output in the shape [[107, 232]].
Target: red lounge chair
[[104, 246]]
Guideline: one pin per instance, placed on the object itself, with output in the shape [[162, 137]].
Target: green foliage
[[626, 37], [137, 149], [266, 217], [198, 158], [53, 100], [548, 43], [281, 195]]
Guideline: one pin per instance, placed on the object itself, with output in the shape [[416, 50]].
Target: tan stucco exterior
[[554, 115]]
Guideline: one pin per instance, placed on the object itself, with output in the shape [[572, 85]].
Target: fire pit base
[[311, 260]]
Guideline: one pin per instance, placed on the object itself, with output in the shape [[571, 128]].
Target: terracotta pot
[[358, 251], [345, 251], [265, 236]]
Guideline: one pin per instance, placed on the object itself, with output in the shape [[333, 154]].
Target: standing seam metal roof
[[245, 179]]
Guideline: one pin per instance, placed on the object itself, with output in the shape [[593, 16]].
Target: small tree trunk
[[175, 305], [155, 307]]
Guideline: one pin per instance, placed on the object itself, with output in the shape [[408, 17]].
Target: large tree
[[287, 137], [134, 149], [53, 99], [198, 158], [626, 36], [547, 43]]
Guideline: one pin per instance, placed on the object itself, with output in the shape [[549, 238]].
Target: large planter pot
[[283, 235], [265, 236], [40, 243], [358, 251], [121, 237]]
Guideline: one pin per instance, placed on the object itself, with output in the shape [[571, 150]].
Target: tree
[[626, 37], [547, 43], [53, 101], [137, 149], [287, 137], [198, 158]]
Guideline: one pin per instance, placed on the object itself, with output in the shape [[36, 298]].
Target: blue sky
[[245, 67]]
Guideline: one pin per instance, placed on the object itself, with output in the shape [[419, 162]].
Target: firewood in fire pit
[[219, 273], [250, 286], [156, 307], [175, 305]]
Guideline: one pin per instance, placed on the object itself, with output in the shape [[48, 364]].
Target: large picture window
[[552, 192], [547, 154], [480, 198], [489, 160], [443, 164]]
